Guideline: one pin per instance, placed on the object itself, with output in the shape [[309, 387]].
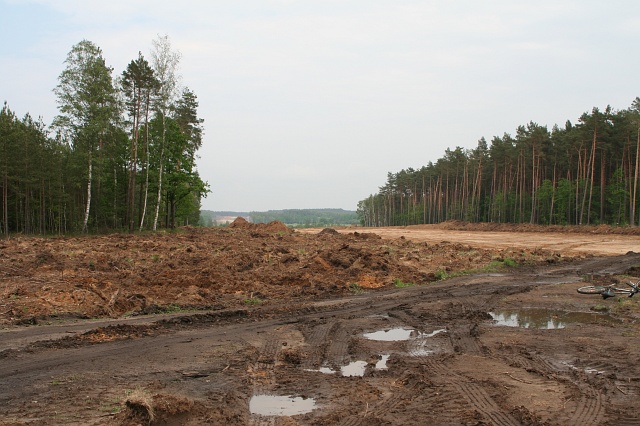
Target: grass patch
[[509, 263], [494, 266], [441, 275], [172, 308], [355, 288], [252, 301], [400, 284]]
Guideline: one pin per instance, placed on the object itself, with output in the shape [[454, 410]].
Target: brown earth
[[193, 327]]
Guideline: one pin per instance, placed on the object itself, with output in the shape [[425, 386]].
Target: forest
[[295, 218], [306, 218], [119, 156], [580, 174]]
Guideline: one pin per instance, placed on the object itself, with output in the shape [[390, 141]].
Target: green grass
[[442, 275], [494, 266], [400, 284], [355, 288], [172, 308], [252, 301]]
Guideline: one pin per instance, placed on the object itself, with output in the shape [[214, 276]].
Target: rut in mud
[[429, 353]]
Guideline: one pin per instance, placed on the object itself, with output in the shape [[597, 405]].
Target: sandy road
[[568, 243]]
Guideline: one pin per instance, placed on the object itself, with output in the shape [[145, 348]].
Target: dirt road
[[606, 244], [505, 346]]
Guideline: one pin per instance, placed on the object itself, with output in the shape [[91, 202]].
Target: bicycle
[[610, 290]]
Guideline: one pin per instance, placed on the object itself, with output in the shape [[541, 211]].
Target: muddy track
[[453, 366]]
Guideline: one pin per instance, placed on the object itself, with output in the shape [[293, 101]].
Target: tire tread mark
[[590, 409]]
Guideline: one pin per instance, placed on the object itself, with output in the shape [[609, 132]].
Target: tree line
[[120, 154], [583, 173], [307, 217]]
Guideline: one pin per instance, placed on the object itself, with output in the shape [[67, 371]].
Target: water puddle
[[273, 405], [354, 369], [382, 363], [547, 319], [323, 370], [434, 333], [393, 335], [587, 370]]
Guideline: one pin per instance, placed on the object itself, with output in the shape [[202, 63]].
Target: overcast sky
[[308, 104]]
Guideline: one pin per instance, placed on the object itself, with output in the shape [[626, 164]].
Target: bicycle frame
[[611, 290]]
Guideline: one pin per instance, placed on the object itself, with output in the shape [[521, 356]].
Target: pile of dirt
[[216, 268], [273, 227]]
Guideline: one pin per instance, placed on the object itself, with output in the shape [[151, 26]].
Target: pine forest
[[119, 156], [580, 174]]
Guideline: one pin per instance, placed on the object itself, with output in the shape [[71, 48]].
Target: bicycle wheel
[[592, 289]]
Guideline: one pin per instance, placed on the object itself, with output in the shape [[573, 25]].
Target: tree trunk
[[593, 168], [146, 143], [88, 206], [164, 135], [635, 182]]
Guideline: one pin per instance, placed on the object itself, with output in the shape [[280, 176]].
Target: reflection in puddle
[[546, 319], [587, 370], [433, 333], [382, 363], [393, 335], [323, 370], [355, 368], [273, 405], [419, 348]]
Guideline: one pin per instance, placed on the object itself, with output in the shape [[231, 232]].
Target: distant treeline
[[585, 173], [292, 217]]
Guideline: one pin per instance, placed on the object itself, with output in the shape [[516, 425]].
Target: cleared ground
[[426, 325]]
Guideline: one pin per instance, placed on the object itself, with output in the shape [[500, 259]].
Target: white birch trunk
[[86, 211]]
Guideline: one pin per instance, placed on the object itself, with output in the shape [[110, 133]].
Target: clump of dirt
[[272, 227], [143, 408]]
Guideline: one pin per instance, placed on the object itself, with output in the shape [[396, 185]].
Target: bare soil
[[187, 328]]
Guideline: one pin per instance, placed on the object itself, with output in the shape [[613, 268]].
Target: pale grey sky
[[308, 104]]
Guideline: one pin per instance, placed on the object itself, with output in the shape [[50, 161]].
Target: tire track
[[317, 340], [590, 409], [473, 393], [337, 351]]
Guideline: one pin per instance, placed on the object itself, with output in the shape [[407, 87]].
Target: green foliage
[[578, 174], [441, 274], [83, 177], [510, 263], [400, 284], [355, 288], [316, 218]]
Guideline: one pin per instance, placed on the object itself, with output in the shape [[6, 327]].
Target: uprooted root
[[142, 407]]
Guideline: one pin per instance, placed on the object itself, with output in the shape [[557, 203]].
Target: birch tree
[[88, 105], [164, 62]]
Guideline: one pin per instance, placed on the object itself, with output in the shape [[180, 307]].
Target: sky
[[310, 103]]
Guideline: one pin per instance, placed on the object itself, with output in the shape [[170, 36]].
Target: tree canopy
[[585, 173], [115, 141]]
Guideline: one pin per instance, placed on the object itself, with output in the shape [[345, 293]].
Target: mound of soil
[[273, 227], [215, 268]]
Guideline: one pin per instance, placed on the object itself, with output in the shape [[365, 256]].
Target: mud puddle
[[397, 334], [547, 319], [354, 369], [276, 405]]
